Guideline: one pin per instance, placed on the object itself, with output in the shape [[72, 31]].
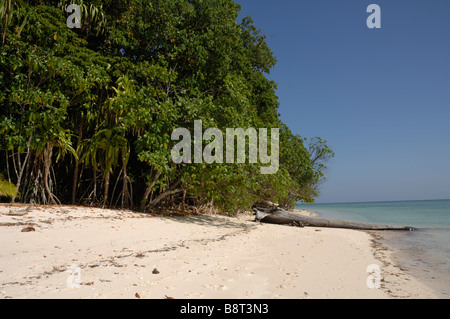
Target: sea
[[424, 253]]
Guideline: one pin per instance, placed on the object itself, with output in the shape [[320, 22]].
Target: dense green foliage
[[86, 114]]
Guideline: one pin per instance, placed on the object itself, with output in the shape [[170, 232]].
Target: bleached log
[[277, 215]]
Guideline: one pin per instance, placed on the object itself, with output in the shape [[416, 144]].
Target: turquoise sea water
[[425, 252]]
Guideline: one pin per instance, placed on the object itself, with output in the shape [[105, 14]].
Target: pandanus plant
[[6, 188]]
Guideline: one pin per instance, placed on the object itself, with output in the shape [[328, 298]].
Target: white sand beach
[[123, 254]]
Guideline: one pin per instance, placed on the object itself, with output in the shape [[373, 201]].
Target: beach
[[84, 252]]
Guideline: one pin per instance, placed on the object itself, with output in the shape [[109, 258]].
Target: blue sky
[[380, 97]]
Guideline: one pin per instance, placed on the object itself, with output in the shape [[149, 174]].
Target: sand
[[82, 252]]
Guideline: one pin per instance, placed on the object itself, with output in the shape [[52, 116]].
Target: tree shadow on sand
[[211, 221]]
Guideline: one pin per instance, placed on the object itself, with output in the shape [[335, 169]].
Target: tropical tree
[[86, 115]]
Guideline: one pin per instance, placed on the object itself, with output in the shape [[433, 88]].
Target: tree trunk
[[94, 196], [19, 178], [148, 190], [125, 179], [77, 164], [105, 195], [46, 156], [75, 182], [164, 195], [280, 216]]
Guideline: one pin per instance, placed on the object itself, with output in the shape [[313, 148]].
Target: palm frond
[[7, 189]]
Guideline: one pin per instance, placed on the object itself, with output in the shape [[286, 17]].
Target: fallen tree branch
[[276, 215]]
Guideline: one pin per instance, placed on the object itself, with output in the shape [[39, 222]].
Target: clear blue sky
[[380, 97]]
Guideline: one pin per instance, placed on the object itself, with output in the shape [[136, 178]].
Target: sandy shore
[[122, 254]]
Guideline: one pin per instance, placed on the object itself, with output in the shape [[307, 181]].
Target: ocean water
[[424, 253]]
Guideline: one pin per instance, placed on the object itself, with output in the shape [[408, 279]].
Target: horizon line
[[377, 201]]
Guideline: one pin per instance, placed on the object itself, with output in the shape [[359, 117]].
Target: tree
[[320, 155], [86, 114]]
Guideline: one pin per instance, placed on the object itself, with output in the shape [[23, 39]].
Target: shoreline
[[120, 253], [385, 253]]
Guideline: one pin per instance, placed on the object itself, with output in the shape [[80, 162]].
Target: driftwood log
[[276, 215]]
